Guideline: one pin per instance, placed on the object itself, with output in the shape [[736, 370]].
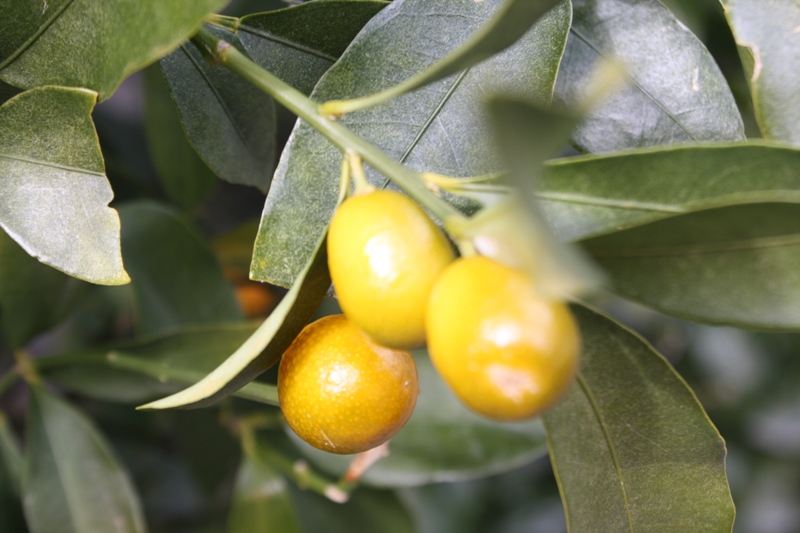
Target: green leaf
[[443, 441], [149, 368], [631, 446], [732, 265], [229, 122], [676, 92], [366, 510], [593, 195], [82, 43], [266, 345], [54, 195], [298, 44], [186, 179], [768, 38], [11, 518], [176, 279], [261, 502], [33, 296], [72, 483], [508, 24], [442, 128]]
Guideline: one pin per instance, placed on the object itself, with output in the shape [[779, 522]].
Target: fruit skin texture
[[384, 255], [342, 393], [506, 352]]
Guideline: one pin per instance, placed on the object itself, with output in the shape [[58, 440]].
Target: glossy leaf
[[733, 265], [82, 43], [186, 179], [266, 345], [508, 24], [54, 195], [593, 195], [441, 128], [769, 40], [72, 483], [229, 122], [176, 279], [261, 502], [676, 93], [443, 441], [33, 296], [631, 446], [149, 368], [298, 44]]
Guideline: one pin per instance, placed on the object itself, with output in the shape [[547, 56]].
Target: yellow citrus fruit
[[342, 393], [506, 352], [384, 255]]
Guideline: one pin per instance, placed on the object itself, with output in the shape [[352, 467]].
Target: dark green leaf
[[72, 483], [443, 441], [768, 37], [149, 368], [186, 179], [441, 128], [83, 43], [632, 448], [300, 43], [676, 92], [176, 279], [229, 122], [367, 510], [11, 519], [33, 296], [261, 501], [54, 195], [594, 195], [266, 345], [733, 265]]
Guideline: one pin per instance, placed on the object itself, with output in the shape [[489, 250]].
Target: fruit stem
[[359, 178], [308, 110]]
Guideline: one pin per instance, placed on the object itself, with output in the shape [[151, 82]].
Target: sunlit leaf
[[83, 43], [54, 194], [676, 93], [768, 34], [631, 446], [72, 483]]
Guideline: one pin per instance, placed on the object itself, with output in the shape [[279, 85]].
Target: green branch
[[411, 182]]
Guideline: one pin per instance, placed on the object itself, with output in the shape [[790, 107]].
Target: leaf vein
[[287, 42], [33, 38], [52, 165]]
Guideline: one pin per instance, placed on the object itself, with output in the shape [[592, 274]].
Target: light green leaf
[[151, 367], [72, 483], [229, 122], [298, 44], [443, 441], [769, 44], [631, 446], [266, 345], [261, 502], [676, 93], [176, 279], [33, 296], [593, 195], [732, 265], [186, 179], [442, 128], [83, 43], [507, 25], [54, 195]]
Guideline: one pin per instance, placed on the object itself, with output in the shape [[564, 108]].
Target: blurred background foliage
[[748, 382]]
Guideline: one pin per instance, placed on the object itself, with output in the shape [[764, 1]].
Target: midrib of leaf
[[568, 198], [611, 449], [52, 165], [703, 248], [287, 42], [634, 81], [33, 38], [219, 99], [429, 121]]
